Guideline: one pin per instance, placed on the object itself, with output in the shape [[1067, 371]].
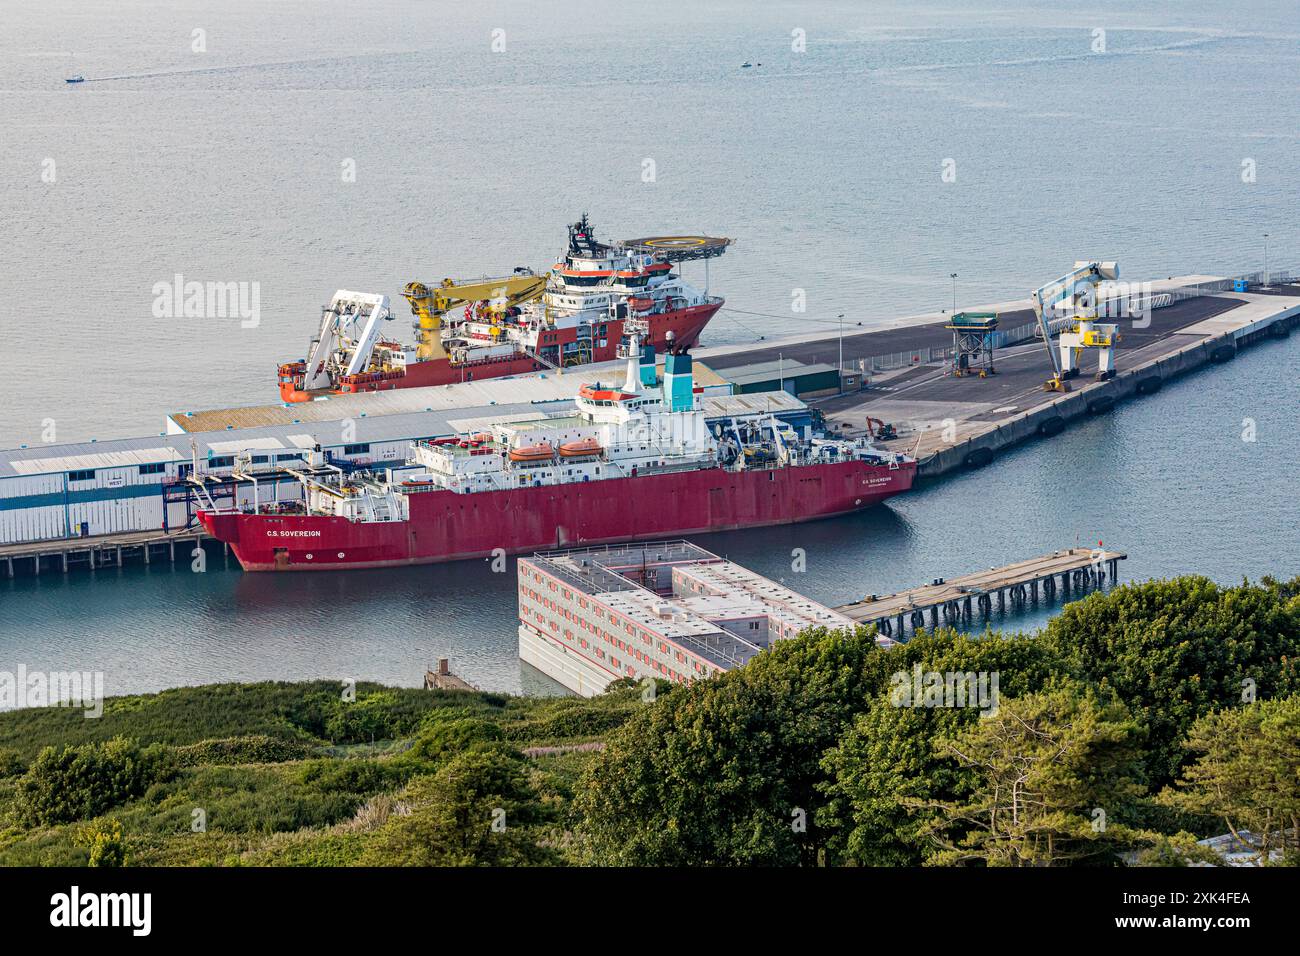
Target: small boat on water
[[75, 79]]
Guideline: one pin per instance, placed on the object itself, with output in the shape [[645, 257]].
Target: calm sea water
[[227, 165]]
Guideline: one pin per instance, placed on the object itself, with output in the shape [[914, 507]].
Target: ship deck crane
[[429, 305], [778, 440], [1078, 290], [350, 326]]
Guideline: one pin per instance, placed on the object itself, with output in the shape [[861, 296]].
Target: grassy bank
[[285, 773]]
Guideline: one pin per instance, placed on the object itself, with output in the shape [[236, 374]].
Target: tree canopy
[[802, 756]]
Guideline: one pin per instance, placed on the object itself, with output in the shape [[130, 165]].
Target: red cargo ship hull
[[445, 526], [685, 325]]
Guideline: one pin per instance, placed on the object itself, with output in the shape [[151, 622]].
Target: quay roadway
[[934, 335], [1021, 371], [934, 411]]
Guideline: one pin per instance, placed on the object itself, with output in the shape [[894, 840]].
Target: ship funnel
[[679, 382], [648, 365]]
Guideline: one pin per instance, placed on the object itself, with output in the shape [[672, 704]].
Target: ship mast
[[634, 329]]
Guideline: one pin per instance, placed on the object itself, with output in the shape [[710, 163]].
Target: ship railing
[[681, 545], [417, 489], [625, 471], [569, 564], [282, 508], [469, 484], [717, 645], [537, 356], [774, 464]]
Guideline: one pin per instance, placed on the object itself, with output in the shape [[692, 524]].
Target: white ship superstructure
[[637, 428]]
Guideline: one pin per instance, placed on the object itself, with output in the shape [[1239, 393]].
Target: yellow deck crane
[[1077, 293], [499, 294]]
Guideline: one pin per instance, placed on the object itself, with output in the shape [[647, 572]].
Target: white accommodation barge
[[669, 610]]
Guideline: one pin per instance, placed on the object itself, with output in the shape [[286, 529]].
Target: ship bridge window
[[222, 461], [153, 468], [356, 449], [86, 475]]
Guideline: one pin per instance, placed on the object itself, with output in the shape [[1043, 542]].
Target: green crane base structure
[[972, 343]]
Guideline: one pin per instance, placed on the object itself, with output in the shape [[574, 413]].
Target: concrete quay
[[950, 423]]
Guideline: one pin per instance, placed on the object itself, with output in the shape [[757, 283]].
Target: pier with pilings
[[93, 553], [958, 602]]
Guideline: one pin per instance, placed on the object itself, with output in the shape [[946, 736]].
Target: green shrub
[[76, 783], [107, 848], [479, 809], [717, 773], [255, 748], [250, 799], [553, 720], [381, 715], [442, 739], [1175, 650], [359, 778], [11, 765]]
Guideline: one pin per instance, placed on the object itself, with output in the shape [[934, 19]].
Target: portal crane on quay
[[1078, 290]]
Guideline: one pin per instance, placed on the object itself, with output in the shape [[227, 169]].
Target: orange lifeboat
[[578, 449], [641, 304], [542, 452]]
